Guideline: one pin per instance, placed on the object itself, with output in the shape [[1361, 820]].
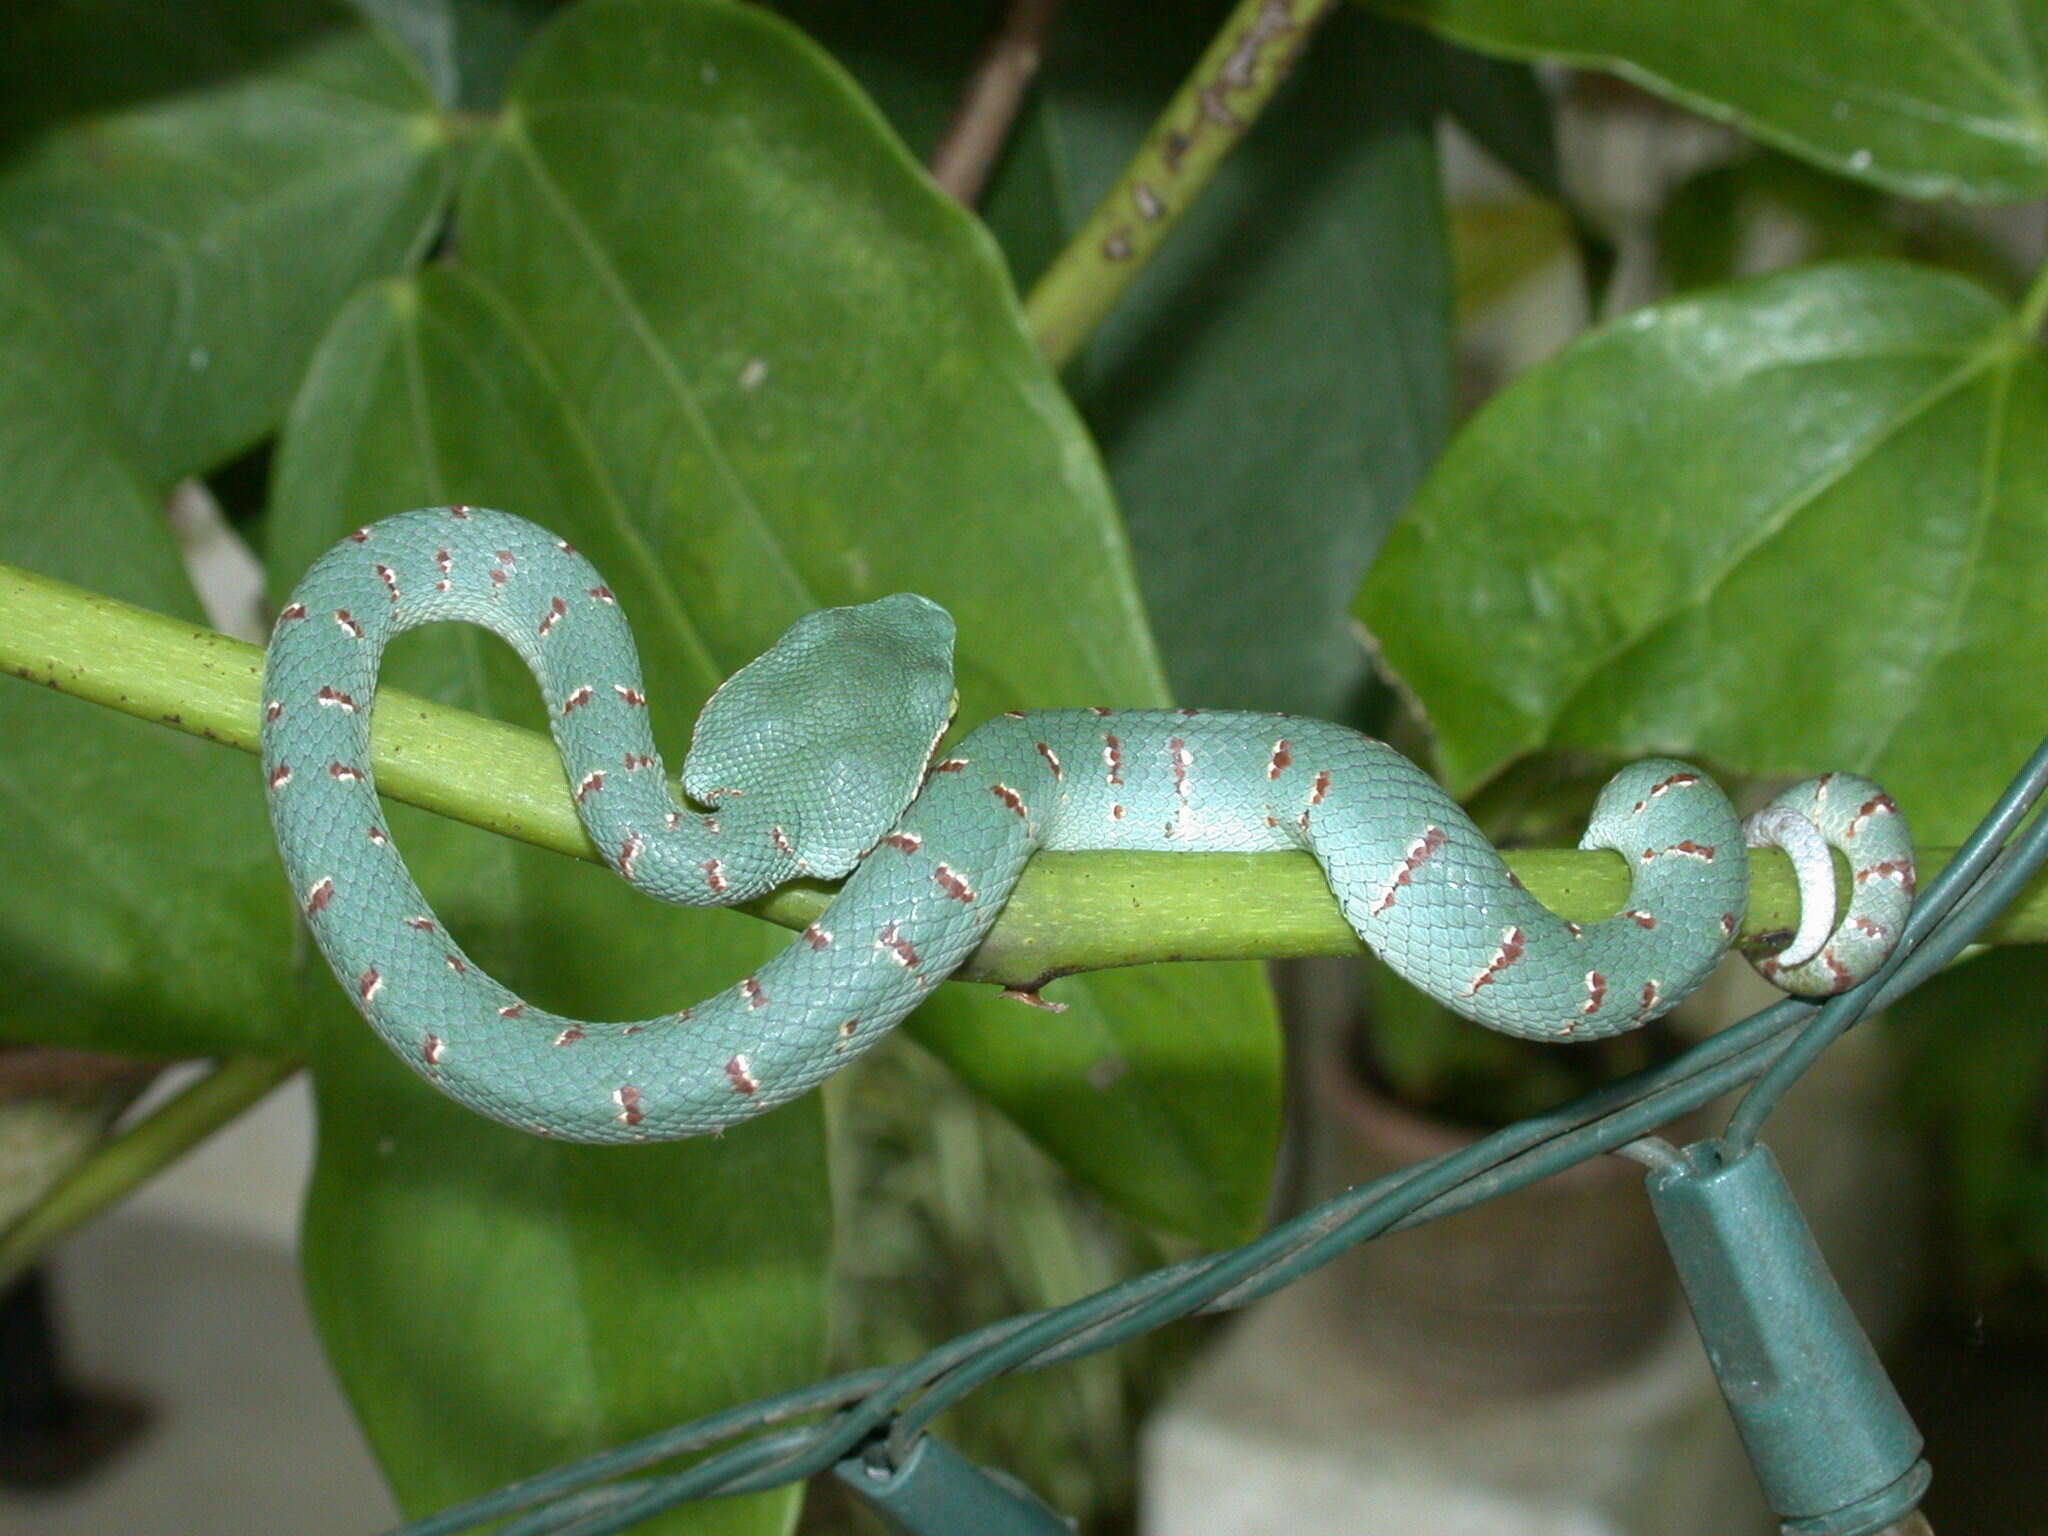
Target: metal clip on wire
[[935, 1491], [1832, 1444]]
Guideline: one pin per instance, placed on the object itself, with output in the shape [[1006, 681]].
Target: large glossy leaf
[[140, 908], [1276, 381], [202, 186], [803, 381], [494, 1302], [1272, 387], [1931, 98], [1787, 526]]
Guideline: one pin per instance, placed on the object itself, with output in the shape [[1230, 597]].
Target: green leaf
[[140, 908], [1930, 98], [494, 1303], [802, 379], [202, 219], [1788, 526], [625, 1289], [1276, 381]]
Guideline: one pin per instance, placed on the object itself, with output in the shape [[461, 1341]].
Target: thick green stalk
[[1071, 912], [1207, 116], [138, 1154]]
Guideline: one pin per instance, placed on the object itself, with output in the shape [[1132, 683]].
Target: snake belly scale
[[817, 759]]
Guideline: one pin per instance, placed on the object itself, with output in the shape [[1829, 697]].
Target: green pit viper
[[817, 760]]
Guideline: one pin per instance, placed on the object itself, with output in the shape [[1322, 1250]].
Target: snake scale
[[816, 759]]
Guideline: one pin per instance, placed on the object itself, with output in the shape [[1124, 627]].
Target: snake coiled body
[[784, 790]]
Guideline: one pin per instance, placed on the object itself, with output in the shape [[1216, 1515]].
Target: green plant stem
[[138, 1154], [1071, 912], [1211, 111]]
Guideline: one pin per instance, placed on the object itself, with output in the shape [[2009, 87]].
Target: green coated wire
[[1977, 883]]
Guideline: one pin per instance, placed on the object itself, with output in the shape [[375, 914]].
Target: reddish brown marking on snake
[[1837, 971], [627, 1097], [1009, 797], [280, 776], [630, 849], [345, 773], [634, 698], [334, 698], [589, 784], [1283, 755], [751, 989], [781, 842], [953, 885], [897, 945], [1704, 852], [1900, 870], [904, 842], [369, 984], [714, 875], [430, 1050], [377, 836], [1727, 925], [273, 709], [1678, 780], [1512, 945], [577, 698], [847, 1031], [1648, 999], [1879, 804], [1051, 760], [1640, 919], [460, 512], [422, 924], [556, 609], [390, 579], [321, 893], [950, 765], [455, 964], [1320, 789], [603, 594], [816, 937], [1596, 993], [1112, 760], [739, 1073], [294, 611], [569, 1036], [511, 1010], [1404, 873], [347, 625]]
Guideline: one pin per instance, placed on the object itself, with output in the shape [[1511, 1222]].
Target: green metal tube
[[935, 1491], [1832, 1444]]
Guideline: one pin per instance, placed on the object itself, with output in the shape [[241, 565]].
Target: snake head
[[827, 733]]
